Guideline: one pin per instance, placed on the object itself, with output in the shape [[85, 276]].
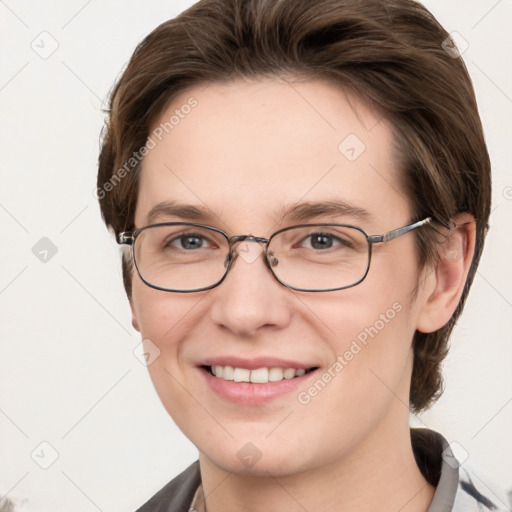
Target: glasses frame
[[130, 237]]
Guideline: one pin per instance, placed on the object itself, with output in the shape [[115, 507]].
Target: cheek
[[370, 371], [161, 316], [165, 321], [370, 347]]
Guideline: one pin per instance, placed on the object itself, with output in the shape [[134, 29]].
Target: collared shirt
[[456, 488], [467, 497]]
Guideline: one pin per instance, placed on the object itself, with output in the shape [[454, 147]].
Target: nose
[[250, 298]]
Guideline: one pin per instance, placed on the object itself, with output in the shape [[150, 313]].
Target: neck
[[381, 474]]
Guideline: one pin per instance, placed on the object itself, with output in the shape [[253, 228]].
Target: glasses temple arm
[[124, 238], [395, 233]]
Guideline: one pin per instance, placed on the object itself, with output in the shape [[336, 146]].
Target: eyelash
[[180, 236]]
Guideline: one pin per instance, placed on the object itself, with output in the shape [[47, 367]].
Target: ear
[[445, 283], [135, 322]]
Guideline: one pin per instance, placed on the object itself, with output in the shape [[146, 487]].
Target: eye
[[188, 241], [322, 241]]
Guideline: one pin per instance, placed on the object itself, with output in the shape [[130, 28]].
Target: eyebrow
[[306, 211], [296, 212], [174, 209]]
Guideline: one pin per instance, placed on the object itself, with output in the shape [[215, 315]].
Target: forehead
[[248, 150]]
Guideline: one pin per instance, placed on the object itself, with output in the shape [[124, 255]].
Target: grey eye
[[188, 241], [321, 241]]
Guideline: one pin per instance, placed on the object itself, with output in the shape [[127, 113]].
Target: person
[[302, 192]]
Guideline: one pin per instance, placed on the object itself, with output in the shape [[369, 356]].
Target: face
[[245, 154]]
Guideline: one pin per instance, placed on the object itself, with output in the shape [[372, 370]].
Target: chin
[[276, 466]]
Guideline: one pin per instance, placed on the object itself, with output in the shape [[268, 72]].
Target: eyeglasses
[[187, 257]]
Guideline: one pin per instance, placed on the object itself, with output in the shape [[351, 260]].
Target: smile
[[256, 376], [255, 380]]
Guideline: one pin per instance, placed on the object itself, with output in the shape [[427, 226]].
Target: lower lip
[[249, 393]]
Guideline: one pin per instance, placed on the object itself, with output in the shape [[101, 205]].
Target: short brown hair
[[393, 52]]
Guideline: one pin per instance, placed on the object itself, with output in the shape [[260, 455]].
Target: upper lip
[[255, 362]]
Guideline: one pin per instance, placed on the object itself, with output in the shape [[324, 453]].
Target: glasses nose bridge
[[234, 253], [244, 238]]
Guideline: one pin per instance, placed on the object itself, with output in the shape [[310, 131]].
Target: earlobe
[[135, 322], [449, 276]]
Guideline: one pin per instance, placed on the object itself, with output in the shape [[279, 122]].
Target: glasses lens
[[319, 257], [181, 257]]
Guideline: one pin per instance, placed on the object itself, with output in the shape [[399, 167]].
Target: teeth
[[242, 375], [228, 372], [275, 374], [289, 373], [258, 376]]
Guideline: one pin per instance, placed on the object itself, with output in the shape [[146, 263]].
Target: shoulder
[[177, 495], [475, 495], [458, 487]]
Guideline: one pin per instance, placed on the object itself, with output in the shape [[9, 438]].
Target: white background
[[68, 373]]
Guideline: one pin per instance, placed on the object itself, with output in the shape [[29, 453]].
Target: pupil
[[321, 242], [191, 242]]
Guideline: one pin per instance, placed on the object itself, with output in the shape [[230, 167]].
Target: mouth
[[261, 375], [255, 380]]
